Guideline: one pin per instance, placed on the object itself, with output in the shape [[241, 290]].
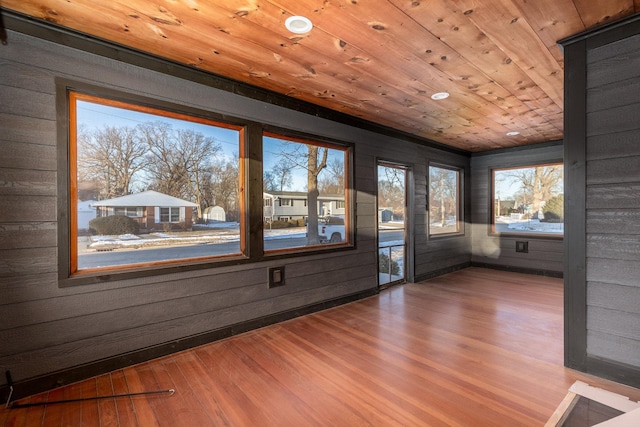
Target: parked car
[[331, 229]]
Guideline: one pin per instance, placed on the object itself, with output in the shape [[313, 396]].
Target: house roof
[[146, 198], [86, 205]]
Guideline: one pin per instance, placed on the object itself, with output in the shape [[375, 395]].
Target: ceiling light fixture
[[440, 95], [513, 133], [298, 24]]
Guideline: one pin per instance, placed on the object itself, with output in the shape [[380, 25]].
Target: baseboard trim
[[442, 271], [612, 370], [525, 270], [29, 387]]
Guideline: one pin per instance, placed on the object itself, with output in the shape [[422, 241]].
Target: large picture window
[[444, 200], [315, 176], [528, 200], [150, 187]]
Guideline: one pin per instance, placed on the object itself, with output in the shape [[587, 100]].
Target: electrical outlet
[[522, 247], [276, 276]]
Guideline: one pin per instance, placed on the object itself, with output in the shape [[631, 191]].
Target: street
[[129, 256]]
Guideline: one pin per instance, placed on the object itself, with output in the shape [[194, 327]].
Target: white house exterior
[[86, 212], [286, 205]]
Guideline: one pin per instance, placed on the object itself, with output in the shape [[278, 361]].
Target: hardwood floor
[[473, 348]]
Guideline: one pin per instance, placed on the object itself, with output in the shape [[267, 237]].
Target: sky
[[97, 116], [507, 184], [272, 147]]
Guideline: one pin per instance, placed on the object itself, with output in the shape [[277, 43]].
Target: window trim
[[250, 199], [460, 222], [67, 93], [492, 203], [349, 197], [170, 214], [125, 211]]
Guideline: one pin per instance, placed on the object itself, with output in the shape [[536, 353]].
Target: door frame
[[409, 252]]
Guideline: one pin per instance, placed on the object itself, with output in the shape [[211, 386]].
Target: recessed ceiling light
[[440, 95], [298, 24], [514, 133]]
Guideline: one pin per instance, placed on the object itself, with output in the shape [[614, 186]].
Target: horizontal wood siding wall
[[45, 328], [613, 201], [545, 255]]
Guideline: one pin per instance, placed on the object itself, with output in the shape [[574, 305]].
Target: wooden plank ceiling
[[380, 60]]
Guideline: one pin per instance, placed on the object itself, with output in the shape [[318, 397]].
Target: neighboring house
[[150, 209], [214, 213], [86, 212], [286, 205], [504, 207]]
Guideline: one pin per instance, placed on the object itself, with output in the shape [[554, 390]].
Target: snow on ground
[[220, 233], [532, 225], [278, 233], [390, 225], [218, 224]]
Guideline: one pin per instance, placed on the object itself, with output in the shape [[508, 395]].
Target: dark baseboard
[[525, 270], [440, 272], [615, 371], [29, 387]]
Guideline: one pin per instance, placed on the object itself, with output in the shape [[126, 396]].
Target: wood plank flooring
[[473, 348]]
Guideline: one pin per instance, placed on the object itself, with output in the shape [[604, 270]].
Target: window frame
[[250, 196], [348, 148], [170, 214], [128, 211], [492, 203], [460, 222], [68, 273]]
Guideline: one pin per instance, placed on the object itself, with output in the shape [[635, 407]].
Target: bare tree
[[179, 161], [198, 153], [282, 173], [224, 188], [316, 161], [269, 182], [391, 190], [313, 159], [442, 193], [333, 182], [166, 166], [110, 157], [539, 183]]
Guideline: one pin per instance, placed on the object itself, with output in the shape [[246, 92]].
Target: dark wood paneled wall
[[545, 254], [602, 130], [613, 201], [441, 254], [46, 328]]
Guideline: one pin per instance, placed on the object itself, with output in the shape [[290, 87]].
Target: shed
[[214, 213]]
